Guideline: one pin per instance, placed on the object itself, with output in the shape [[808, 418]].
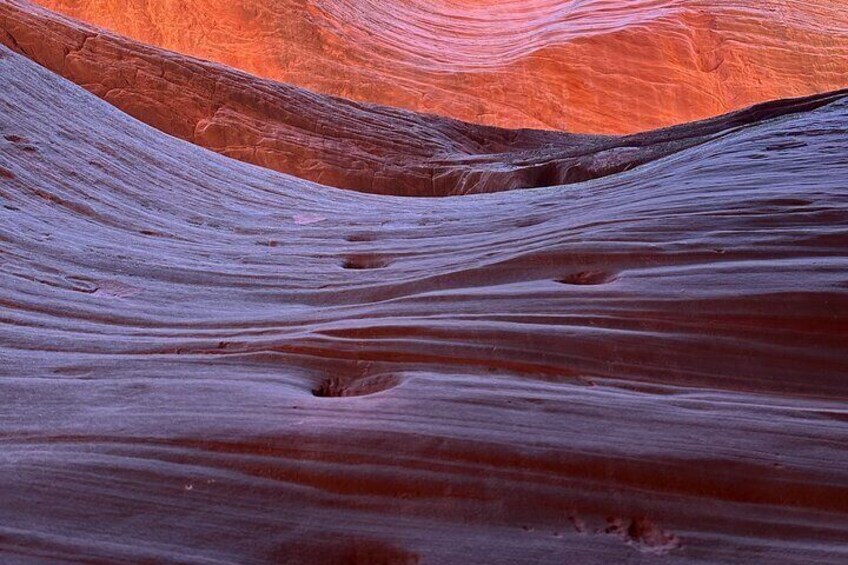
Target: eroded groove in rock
[[332, 141], [596, 66], [346, 386], [158, 354]]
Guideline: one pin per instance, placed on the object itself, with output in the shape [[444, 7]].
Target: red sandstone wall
[[603, 66]]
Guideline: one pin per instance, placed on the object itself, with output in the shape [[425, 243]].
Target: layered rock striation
[[597, 66], [206, 361]]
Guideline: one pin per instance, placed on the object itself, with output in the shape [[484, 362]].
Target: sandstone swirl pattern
[[332, 141], [597, 66], [204, 361], [643, 360]]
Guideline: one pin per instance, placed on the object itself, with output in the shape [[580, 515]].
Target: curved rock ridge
[[333, 141], [585, 66], [202, 361]]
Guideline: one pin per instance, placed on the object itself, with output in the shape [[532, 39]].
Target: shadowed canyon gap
[[205, 361]]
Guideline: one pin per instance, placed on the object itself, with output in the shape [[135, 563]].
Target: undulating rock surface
[[204, 361], [592, 66], [333, 141]]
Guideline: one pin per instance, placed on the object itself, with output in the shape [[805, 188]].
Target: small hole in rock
[[340, 387], [332, 548], [358, 237], [789, 202], [360, 262], [528, 222], [649, 536], [587, 278]]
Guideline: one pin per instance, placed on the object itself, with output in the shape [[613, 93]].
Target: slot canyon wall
[[578, 348], [598, 66]]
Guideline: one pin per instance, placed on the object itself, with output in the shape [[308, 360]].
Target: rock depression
[[597, 66]]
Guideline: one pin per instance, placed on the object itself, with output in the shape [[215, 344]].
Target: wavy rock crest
[[333, 141]]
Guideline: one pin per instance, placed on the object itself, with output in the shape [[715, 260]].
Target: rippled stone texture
[[597, 66], [206, 361], [332, 141]]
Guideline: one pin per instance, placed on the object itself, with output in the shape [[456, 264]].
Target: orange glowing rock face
[[597, 66], [333, 141]]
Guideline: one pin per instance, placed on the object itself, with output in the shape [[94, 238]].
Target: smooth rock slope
[[204, 361]]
